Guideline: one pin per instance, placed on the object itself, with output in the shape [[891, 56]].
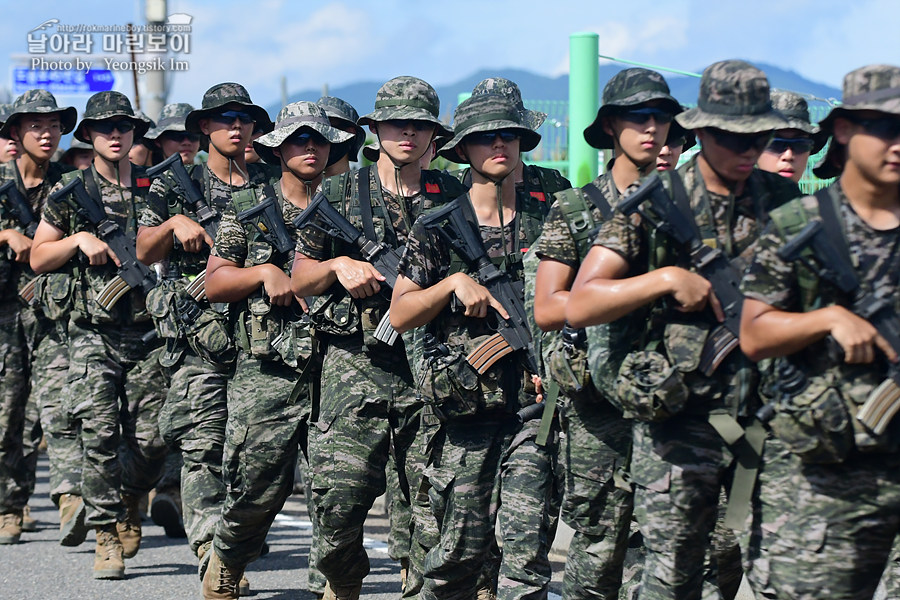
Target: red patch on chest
[[143, 181], [539, 195], [432, 188]]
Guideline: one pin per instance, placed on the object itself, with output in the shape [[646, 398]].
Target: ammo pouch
[[648, 388], [161, 306], [369, 319], [566, 360], [455, 387], [815, 423], [275, 333], [55, 294], [335, 313]]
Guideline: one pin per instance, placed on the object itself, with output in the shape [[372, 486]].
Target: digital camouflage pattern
[[509, 89], [407, 97], [40, 102], [108, 105], [342, 114], [734, 96], [628, 88], [291, 119], [171, 118], [14, 473], [221, 95]]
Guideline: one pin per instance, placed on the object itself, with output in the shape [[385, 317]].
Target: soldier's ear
[[373, 127], [203, 124], [606, 125], [843, 130], [461, 150]]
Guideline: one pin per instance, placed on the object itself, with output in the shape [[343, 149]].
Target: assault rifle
[[385, 259], [133, 274], [832, 263], [457, 225], [711, 263], [195, 201], [13, 201], [269, 222]]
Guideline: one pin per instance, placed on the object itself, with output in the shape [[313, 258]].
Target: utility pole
[[156, 92], [583, 103]]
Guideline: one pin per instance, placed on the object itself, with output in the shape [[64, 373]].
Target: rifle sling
[[365, 204], [598, 200], [830, 220], [680, 197]]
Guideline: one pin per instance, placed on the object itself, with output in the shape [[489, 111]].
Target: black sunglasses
[[639, 116], [417, 125], [486, 138], [740, 142], [885, 128], [227, 117], [797, 145], [106, 127], [181, 136], [303, 138]]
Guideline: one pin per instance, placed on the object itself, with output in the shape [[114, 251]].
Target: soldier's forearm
[[767, 332], [155, 243]]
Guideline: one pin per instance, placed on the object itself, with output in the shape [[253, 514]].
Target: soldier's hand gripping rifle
[[14, 202], [194, 200], [323, 216], [832, 263], [457, 225], [133, 274], [711, 263]]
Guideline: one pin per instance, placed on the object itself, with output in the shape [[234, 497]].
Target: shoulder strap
[[830, 220], [365, 203], [681, 200], [596, 197], [90, 184]]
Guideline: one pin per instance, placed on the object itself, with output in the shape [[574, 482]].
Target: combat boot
[[220, 582], [166, 511], [203, 555], [342, 592], [28, 522], [72, 512], [108, 560], [404, 573], [130, 528], [10, 527]]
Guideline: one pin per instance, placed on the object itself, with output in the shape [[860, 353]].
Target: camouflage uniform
[[481, 454], [194, 415], [679, 465], [268, 410], [818, 540], [33, 356], [114, 380], [368, 404]]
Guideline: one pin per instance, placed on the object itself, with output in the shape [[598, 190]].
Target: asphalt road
[[39, 568]]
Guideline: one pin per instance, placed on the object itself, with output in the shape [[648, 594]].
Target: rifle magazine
[[112, 293], [880, 407], [385, 332], [27, 292], [197, 288], [719, 344], [489, 352]]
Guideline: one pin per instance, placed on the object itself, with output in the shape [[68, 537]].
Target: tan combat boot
[[130, 528], [72, 512], [202, 554], [10, 527], [166, 511], [342, 592], [29, 523], [404, 573], [108, 560], [220, 582]]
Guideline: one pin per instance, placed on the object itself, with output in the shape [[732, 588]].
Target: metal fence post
[[583, 103]]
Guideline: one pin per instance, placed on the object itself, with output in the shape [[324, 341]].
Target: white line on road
[[376, 545]]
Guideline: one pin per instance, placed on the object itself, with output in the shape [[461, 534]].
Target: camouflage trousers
[[49, 385], [116, 391], [599, 501], [262, 440], [368, 408], [16, 475], [823, 531], [679, 468], [192, 423], [531, 491], [457, 503]]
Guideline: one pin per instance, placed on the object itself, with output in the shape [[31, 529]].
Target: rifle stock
[[268, 221]]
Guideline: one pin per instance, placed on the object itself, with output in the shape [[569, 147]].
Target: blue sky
[[317, 43]]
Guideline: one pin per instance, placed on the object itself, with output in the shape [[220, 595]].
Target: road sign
[[63, 80]]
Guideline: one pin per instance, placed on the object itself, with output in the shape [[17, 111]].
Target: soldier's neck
[[519, 172], [624, 172], [876, 203], [32, 171], [409, 175], [341, 166], [483, 195], [297, 191], [231, 170], [715, 183], [114, 171]]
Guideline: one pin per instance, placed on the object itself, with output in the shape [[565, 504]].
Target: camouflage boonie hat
[[628, 88], [508, 88], [734, 97], [873, 87], [407, 97], [678, 135], [488, 112], [171, 118], [795, 109], [108, 105], [221, 95], [38, 102], [294, 117], [5, 111], [343, 112]]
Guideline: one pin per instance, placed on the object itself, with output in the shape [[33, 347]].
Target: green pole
[[584, 49]]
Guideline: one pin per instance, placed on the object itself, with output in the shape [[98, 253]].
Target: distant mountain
[[539, 87]]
